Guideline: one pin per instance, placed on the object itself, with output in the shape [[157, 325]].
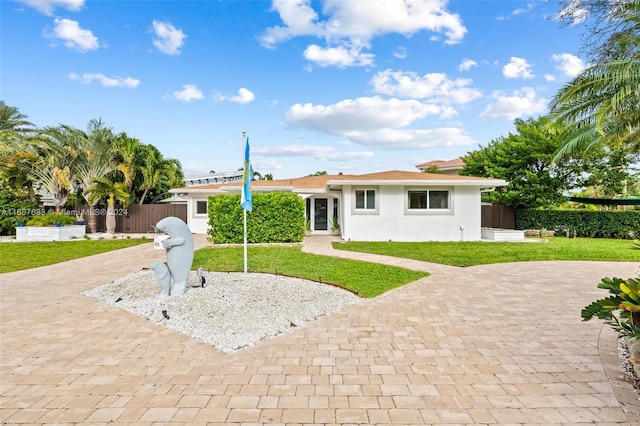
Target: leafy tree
[[10, 207], [525, 160], [611, 27], [318, 173], [432, 169], [610, 173]]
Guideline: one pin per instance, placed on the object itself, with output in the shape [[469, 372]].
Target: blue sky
[[354, 86]]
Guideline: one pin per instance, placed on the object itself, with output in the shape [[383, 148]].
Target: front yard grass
[[18, 256], [363, 278], [481, 253]]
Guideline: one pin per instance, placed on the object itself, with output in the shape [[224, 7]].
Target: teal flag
[[246, 200]]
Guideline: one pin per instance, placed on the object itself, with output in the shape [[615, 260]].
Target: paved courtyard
[[497, 344]]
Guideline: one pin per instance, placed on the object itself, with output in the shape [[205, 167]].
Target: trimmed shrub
[[276, 217], [15, 209], [582, 223]]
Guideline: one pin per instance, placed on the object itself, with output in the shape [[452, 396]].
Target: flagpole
[[244, 143]]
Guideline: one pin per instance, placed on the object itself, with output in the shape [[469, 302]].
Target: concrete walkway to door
[[494, 344]]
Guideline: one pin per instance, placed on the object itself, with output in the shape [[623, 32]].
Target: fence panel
[[502, 217], [141, 218], [136, 218]]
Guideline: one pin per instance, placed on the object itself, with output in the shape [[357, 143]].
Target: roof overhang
[[334, 184]]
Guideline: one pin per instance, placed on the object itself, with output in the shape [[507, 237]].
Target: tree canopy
[[68, 162], [525, 160]]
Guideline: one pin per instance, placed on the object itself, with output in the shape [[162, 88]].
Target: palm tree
[[59, 149], [158, 173], [127, 151], [97, 161], [114, 191], [13, 124], [601, 105], [16, 157]]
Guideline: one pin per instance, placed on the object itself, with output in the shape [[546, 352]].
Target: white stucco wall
[[198, 223], [393, 222]]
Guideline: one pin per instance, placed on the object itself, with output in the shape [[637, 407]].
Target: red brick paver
[[496, 344]]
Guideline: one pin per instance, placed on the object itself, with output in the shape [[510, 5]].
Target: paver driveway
[[497, 344]]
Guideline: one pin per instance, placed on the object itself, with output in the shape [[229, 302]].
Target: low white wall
[[392, 223], [50, 233]]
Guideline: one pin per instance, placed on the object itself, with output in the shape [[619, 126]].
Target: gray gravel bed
[[233, 311]]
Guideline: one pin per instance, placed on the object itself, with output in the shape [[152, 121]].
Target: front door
[[320, 222]]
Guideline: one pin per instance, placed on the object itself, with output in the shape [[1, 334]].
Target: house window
[[438, 199], [428, 200], [201, 207], [365, 199]]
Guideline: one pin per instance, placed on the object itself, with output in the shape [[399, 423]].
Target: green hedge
[[276, 217], [582, 223]]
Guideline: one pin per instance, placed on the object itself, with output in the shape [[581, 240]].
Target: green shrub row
[[276, 217], [582, 223], [51, 219]]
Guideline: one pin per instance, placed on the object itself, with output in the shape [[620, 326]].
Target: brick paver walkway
[[497, 344]]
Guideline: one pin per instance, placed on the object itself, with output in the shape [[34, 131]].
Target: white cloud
[[517, 68], [262, 165], [362, 21], [74, 37], [569, 64], [467, 64], [48, 7], [550, 77], [244, 96], [522, 10], [323, 153], [116, 81], [520, 103], [188, 93], [408, 139], [400, 52], [338, 56], [376, 122], [194, 170], [350, 26], [434, 87], [168, 38], [358, 114]]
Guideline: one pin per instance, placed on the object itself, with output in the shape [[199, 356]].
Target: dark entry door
[[320, 215]]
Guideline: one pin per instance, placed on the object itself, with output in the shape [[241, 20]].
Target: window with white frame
[[201, 207], [421, 199], [365, 199]]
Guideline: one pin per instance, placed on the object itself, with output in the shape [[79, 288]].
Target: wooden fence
[[502, 217], [137, 218]]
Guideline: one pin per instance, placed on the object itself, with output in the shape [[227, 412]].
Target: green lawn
[[363, 278], [480, 253], [17, 256]]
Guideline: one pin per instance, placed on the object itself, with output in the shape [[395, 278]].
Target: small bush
[[50, 219]]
